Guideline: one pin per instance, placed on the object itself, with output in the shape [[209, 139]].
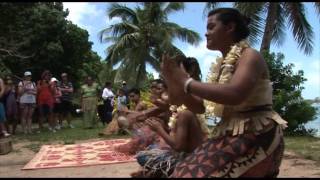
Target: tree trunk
[[270, 24]]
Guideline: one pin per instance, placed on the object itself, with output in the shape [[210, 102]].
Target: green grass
[[308, 147], [35, 147], [65, 135]]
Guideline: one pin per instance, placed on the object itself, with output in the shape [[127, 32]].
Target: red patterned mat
[[84, 154]]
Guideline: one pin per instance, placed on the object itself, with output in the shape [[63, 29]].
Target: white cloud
[[77, 11], [84, 14]]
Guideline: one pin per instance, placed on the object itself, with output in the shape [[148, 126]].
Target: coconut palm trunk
[[269, 27]]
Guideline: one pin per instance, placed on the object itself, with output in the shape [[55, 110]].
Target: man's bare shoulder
[[186, 117]]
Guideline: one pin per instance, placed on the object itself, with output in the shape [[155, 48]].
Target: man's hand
[[154, 124], [161, 104], [134, 117]]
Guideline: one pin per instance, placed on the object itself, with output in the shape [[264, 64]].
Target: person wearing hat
[[66, 88], [46, 100], [57, 109], [126, 93], [27, 91]]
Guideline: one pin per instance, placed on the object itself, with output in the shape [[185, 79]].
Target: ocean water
[[315, 124]]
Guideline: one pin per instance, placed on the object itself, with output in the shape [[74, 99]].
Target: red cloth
[[45, 95]]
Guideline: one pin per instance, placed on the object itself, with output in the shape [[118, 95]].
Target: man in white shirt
[[108, 101]]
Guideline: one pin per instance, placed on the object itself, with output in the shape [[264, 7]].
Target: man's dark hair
[[227, 15], [135, 91], [122, 90], [108, 83], [160, 81]]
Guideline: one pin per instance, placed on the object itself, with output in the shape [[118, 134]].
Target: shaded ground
[[11, 164]]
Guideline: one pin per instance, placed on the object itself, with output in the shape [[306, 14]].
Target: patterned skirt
[[159, 163], [246, 155]]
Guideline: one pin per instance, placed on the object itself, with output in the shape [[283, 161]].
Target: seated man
[[188, 131], [143, 136], [120, 121]]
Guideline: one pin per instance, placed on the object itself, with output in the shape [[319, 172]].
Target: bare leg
[[41, 117], [51, 120], [24, 113], [4, 130], [29, 119]]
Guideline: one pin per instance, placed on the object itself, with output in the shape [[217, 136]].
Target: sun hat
[[54, 79], [27, 73]]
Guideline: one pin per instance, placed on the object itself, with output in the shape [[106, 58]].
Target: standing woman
[[248, 141], [46, 100], [27, 91], [3, 129], [89, 100], [11, 105]]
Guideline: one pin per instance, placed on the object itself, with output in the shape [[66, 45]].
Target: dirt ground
[[11, 164]]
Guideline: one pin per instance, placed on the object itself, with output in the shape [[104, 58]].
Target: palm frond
[[278, 33], [125, 13], [301, 29], [254, 12], [208, 7], [183, 34], [118, 29], [173, 7], [154, 63], [317, 6]]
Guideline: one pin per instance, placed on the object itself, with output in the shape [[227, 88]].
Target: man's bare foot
[[138, 173]]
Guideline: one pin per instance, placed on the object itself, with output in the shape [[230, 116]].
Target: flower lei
[[226, 66]]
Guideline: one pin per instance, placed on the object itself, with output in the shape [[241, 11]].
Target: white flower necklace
[[226, 66]]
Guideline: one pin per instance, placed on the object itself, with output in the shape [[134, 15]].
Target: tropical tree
[[278, 15], [37, 36], [287, 94], [143, 34]]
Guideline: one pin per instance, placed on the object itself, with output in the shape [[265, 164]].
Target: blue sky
[[92, 17]]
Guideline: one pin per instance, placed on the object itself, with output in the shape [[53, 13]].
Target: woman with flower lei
[[248, 141]]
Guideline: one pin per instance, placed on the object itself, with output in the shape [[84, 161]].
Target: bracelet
[[186, 85]]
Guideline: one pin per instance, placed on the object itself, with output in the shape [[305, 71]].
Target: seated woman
[[248, 141], [188, 131]]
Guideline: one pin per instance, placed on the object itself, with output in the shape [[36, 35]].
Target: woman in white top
[[27, 91]]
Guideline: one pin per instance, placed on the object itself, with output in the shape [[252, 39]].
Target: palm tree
[[278, 16], [143, 34]]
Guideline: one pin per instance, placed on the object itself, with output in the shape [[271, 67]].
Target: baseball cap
[[124, 82], [54, 79], [64, 74], [27, 73]]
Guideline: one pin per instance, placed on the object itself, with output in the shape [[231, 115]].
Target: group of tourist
[[51, 98]]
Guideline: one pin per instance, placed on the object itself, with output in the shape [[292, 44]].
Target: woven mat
[[84, 154]]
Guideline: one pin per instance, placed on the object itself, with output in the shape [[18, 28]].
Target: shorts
[[66, 107], [2, 114], [57, 108], [45, 109]]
